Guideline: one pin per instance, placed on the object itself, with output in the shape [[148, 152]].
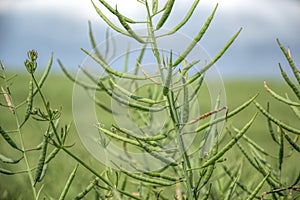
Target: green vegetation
[[255, 155]]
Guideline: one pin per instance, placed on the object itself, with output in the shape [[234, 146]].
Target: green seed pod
[[214, 60], [290, 61], [9, 140], [52, 155], [280, 98], [45, 167], [197, 38], [289, 82], [128, 28], [5, 159], [87, 189], [186, 18], [258, 187], [229, 144], [281, 150], [168, 79], [292, 143], [41, 162], [45, 75], [7, 172], [164, 17], [154, 6], [146, 179], [68, 184], [230, 114], [276, 121], [29, 102], [186, 105]]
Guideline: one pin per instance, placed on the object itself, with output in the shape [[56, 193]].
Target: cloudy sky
[[61, 26]]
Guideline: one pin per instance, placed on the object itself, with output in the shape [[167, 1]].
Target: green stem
[[186, 162], [28, 169], [47, 108]]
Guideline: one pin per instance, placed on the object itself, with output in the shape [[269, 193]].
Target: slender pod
[[108, 22], [7, 172], [41, 162], [51, 155], [132, 104], [271, 130], [247, 156], [125, 102], [197, 38], [147, 179], [276, 121], [289, 82], [262, 159], [118, 137], [166, 14], [296, 180], [146, 138], [291, 142], [186, 67], [257, 189], [110, 70], [186, 105], [127, 27], [5, 159], [113, 11], [45, 75], [124, 139], [215, 59], [208, 175], [231, 188], [9, 140], [74, 80], [134, 97], [100, 103], [154, 6], [147, 75], [229, 144], [162, 176], [68, 184], [126, 59], [29, 102], [45, 167], [140, 58], [196, 90], [168, 79], [87, 189], [290, 61], [270, 179], [280, 98], [8, 100], [296, 110], [281, 150], [153, 42], [186, 18], [207, 193], [232, 177], [94, 44], [254, 144], [159, 156]]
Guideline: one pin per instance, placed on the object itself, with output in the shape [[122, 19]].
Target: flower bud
[[33, 55]]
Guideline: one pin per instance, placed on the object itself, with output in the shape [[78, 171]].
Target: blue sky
[[61, 26]]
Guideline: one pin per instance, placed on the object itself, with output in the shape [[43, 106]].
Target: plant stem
[[28, 169], [47, 108]]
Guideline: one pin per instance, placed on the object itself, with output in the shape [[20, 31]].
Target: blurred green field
[[58, 89]]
